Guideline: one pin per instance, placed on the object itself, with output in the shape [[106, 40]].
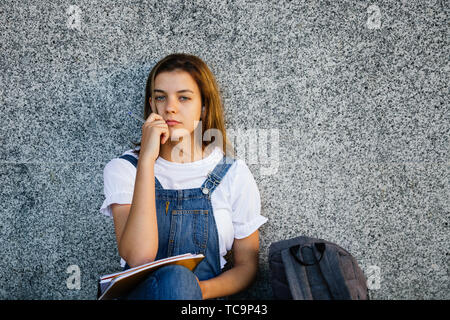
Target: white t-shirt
[[236, 200]]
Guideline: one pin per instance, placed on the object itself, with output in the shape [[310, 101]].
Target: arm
[[245, 254], [136, 225]]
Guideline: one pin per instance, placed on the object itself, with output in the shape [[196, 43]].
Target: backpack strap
[[331, 271], [296, 277], [328, 264]]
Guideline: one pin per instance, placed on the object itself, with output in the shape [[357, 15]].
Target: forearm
[[139, 239], [230, 282]]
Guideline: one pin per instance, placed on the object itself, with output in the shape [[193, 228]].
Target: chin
[[179, 132]]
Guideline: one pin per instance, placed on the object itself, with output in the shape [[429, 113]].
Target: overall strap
[[130, 158], [134, 162], [216, 175]]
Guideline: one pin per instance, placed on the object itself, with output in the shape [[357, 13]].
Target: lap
[[171, 282]]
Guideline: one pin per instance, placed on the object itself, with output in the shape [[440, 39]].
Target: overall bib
[[186, 224]]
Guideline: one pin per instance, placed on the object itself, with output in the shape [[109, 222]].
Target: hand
[[154, 132]]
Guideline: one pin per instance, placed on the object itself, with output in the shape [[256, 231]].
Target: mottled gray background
[[358, 97]]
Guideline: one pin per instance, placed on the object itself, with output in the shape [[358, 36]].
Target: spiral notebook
[[114, 285]]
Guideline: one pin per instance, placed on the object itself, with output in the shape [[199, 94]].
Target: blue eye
[[158, 98]]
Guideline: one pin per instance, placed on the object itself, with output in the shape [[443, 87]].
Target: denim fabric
[[168, 283], [186, 224]]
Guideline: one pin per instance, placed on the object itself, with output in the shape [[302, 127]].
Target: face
[[177, 97]]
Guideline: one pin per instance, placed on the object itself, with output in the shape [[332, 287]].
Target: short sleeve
[[118, 178], [245, 202]]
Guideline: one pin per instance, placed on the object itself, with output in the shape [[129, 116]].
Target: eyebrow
[[179, 91]]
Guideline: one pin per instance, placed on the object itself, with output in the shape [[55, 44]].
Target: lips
[[172, 122]]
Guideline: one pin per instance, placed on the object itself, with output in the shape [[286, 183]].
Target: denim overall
[[186, 224]]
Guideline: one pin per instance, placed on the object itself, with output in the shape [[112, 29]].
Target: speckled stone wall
[[353, 95]]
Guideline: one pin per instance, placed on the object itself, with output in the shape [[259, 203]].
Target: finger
[[165, 136], [158, 122], [150, 118], [153, 116], [158, 125], [155, 123]]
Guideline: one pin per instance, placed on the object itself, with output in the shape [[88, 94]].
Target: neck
[[181, 151]]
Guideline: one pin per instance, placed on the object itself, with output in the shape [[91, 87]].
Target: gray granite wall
[[355, 93]]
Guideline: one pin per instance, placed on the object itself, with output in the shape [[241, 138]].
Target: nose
[[172, 105]]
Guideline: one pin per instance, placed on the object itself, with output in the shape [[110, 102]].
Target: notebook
[[114, 285]]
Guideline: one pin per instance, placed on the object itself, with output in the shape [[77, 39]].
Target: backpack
[[305, 268]]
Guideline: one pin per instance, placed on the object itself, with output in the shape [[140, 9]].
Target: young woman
[[179, 192]]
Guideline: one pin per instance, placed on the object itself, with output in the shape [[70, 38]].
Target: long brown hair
[[210, 94]]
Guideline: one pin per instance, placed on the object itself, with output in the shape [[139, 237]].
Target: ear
[[203, 113]]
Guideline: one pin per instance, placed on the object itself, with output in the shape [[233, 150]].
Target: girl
[[177, 193]]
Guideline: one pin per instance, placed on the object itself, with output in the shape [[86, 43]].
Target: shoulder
[[240, 171], [120, 166], [239, 177], [118, 176]]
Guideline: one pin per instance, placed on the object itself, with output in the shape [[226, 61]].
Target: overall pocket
[[188, 232]]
